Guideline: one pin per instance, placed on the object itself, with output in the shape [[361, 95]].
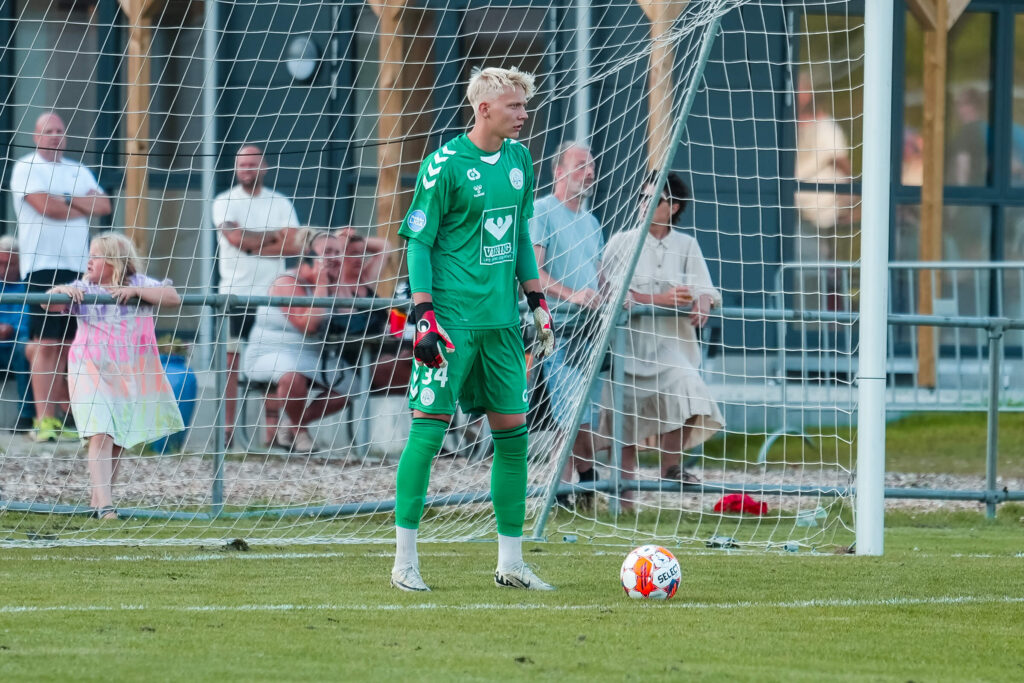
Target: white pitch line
[[473, 607]]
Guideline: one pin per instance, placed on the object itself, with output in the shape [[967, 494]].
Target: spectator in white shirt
[[53, 197], [256, 229]]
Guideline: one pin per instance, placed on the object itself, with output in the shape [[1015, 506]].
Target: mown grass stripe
[[794, 604]]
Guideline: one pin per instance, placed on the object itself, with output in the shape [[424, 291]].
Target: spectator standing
[[54, 198], [567, 242], [256, 229], [120, 395], [663, 392], [822, 156], [14, 328]]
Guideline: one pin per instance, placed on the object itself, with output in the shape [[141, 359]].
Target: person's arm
[[161, 295], [75, 293], [54, 206], [306, 319], [93, 203]]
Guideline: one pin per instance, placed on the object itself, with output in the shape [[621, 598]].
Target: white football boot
[[521, 576], [408, 579]]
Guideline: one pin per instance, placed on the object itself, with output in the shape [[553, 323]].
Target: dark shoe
[[677, 473], [104, 512]]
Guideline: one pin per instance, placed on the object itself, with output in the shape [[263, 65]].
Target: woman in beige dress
[[663, 392]]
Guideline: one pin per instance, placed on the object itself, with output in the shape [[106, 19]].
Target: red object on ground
[[740, 502]]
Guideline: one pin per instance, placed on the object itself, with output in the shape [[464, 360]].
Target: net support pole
[[617, 301], [874, 277], [582, 49], [207, 238]]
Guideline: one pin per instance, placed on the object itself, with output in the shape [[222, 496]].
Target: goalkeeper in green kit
[[467, 244]]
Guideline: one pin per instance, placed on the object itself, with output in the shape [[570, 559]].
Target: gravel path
[[58, 474]]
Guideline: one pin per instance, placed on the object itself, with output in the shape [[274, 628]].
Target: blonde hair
[[486, 85], [118, 251]]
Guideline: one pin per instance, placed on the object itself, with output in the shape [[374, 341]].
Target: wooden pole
[[934, 134], [391, 129], [140, 36], [662, 14]]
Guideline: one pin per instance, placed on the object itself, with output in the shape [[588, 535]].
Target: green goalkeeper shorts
[[485, 372]]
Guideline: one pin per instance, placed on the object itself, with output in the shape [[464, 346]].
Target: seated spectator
[[14, 329], [286, 346], [374, 254], [663, 392], [350, 329]]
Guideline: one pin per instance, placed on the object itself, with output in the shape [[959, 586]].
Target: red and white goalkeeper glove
[[542, 320], [427, 346]]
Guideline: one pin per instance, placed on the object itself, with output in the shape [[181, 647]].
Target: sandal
[[105, 512], [677, 473]]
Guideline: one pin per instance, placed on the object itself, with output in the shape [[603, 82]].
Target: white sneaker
[[408, 579], [521, 576]]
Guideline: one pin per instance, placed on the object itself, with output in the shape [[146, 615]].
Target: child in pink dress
[[120, 396]]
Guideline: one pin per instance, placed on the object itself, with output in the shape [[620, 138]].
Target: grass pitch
[[946, 602]]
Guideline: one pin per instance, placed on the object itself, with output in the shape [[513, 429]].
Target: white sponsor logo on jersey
[[427, 396], [478, 190], [515, 176], [430, 177], [498, 227], [473, 174]]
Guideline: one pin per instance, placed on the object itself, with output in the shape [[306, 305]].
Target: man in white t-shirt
[[53, 197], [256, 229]]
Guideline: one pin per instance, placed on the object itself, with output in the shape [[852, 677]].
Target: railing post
[[995, 352], [220, 371], [618, 379]]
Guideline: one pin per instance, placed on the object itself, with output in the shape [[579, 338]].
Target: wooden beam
[[140, 35], [956, 9], [390, 128], [925, 13], [662, 14], [934, 133]]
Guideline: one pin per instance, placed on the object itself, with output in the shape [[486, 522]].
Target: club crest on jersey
[[417, 220], [473, 174], [497, 235], [515, 176]]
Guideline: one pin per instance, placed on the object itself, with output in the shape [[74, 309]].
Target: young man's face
[[506, 114]]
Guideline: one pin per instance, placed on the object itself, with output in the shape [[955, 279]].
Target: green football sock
[[425, 438], [508, 479]]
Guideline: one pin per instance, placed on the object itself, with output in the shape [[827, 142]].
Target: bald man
[[256, 229], [54, 199]]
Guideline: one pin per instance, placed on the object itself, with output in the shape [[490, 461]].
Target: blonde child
[[120, 396]]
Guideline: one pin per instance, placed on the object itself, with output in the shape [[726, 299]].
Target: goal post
[[871, 368], [743, 393]]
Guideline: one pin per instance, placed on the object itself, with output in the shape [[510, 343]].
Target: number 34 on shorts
[[425, 383]]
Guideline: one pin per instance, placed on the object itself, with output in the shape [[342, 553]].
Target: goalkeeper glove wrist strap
[[535, 299]]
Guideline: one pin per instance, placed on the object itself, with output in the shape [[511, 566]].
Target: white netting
[[342, 101]]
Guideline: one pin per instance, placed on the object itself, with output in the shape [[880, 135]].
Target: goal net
[[254, 150]]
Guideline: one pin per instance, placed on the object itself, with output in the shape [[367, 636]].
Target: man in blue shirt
[[568, 241], [14, 328]]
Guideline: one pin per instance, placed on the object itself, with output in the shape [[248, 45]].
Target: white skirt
[[663, 403]]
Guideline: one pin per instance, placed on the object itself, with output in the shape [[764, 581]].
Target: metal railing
[[994, 329]]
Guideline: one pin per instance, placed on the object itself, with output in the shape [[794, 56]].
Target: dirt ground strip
[[57, 473]]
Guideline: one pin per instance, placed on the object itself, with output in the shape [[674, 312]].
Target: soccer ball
[[650, 572]]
